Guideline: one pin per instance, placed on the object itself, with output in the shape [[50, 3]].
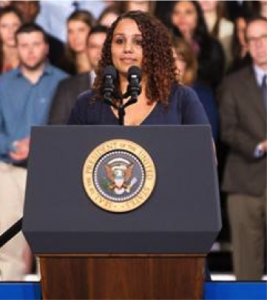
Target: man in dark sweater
[[69, 89]]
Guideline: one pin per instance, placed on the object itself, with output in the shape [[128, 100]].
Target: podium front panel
[[182, 214]]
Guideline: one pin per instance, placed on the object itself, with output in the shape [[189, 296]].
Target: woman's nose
[[128, 47]]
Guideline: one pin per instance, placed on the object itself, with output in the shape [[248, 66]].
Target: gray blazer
[[243, 126], [65, 97]]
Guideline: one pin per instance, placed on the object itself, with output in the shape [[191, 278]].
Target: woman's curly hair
[[158, 63]]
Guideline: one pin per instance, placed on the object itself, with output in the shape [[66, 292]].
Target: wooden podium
[[147, 276], [156, 251]]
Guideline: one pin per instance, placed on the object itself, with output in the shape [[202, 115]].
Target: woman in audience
[[262, 10], [4, 3], [188, 22], [239, 49], [218, 26], [10, 20], [108, 16], [79, 25], [186, 72], [145, 6]]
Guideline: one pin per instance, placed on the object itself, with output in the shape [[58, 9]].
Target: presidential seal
[[119, 175]]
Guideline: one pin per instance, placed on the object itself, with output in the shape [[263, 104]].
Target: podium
[[157, 250]]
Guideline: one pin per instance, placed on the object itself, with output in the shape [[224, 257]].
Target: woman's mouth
[[127, 60]]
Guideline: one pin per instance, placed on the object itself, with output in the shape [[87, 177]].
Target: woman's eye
[[138, 42], [118, 41]]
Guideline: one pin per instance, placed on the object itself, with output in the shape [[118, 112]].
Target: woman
[[145, 6], [186, 65], [79, 25], [188, 23], [138, 39], [10, 20], [241, 57], [218, 26], [108, 16], [263, 8]]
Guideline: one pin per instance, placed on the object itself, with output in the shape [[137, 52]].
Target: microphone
[[109, 76], [134, 77]]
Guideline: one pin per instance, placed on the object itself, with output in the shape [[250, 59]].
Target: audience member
[[218, 26], [243, 97], [69, 89], [10, 20], [239, 49], [79, 25], [108, 16], [30, 10], [54, 14], [163, 11], [145, 6], [186, 64], [260, 7], [25, 97], [110, 3], [188, 22], [4, 3]]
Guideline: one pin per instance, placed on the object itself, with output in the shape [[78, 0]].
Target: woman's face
[[9, 24], [184, 17], [126, 46], [138, 5], [180, 66], [108, 19], [241, 31], [208, 6], [77, 35]]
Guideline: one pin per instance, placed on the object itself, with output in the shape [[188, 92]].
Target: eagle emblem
[[119, 176]]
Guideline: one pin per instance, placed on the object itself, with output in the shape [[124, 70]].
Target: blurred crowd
[[49, 52]]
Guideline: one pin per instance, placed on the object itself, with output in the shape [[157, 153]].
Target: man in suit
[[69, 89], [243, 103]]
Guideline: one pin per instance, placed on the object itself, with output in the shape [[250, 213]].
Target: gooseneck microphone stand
[[120, 107]]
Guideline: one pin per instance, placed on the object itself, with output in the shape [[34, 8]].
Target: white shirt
[[53, 15], [259, 77], [259, 74]]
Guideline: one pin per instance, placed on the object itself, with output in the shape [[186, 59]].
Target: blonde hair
[[184, 50]]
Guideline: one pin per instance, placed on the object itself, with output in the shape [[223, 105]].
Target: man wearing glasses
[[243, 107]]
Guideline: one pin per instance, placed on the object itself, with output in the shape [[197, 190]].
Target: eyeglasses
[[261, 38]]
